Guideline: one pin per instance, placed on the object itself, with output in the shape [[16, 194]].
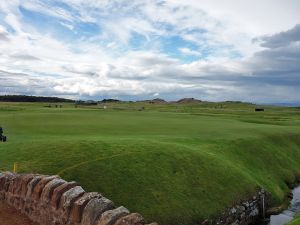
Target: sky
[[143, 49]]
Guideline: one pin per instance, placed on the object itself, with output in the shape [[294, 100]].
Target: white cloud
[[187, 51], [38, 6], [257, 17], [106, 65]]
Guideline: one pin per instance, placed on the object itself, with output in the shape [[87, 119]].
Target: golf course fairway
[[173, 163]]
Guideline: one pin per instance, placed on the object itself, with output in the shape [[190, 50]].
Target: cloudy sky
[[208, 49]]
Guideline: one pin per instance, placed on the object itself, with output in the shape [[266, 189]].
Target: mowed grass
[[175, 164]]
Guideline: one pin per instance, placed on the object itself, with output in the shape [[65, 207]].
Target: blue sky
[[207, 49]]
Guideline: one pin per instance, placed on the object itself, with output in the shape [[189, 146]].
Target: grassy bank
[[174, 163], [295, 221]]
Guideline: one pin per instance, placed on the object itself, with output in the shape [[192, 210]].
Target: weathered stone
[[242, 215], [26, 179], [131, 219], [79, 204], [235, 223], [94, 208], [111, 216], [246, 204], [40, 186], [49, 188], [5, 180], [35, 194], [233, 210], [229, 219], [58, 192], [17, 203], [254, 212], [70, 196], [2, 181], [15, 185], [2, 195], [246, 212], [32, 184], [240, 208]]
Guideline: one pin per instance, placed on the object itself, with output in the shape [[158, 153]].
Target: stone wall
[[50, 200], [250, 211]]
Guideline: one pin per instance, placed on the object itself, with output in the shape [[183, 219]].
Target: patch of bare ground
[[10, 216]]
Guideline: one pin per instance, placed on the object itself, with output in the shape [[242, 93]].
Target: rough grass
[[175, 164], [295, 221]]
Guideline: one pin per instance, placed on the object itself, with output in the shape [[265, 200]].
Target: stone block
[[49, 200], [49, 188], [69, 197], [5, 179], [15, 185], [40, 186], [31, 185], [59, 191], [94, 208], [79, 205], [111, 216], [26, 178], [131, 219]]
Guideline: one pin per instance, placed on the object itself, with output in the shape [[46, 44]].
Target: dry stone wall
[[50, 200], [250, 211]]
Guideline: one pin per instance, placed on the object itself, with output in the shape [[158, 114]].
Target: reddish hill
[[189, 100], [156, 101]]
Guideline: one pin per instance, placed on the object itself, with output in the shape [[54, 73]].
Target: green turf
[[295, 221], [174, 163]]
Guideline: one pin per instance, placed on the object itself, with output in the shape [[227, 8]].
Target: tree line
[[26, 98]]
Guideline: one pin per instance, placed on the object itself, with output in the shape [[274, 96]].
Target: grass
[[295, 221], [174, 163]]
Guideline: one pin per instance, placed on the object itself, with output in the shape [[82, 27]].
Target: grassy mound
[[176, 164]]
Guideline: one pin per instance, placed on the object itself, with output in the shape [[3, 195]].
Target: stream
[[288, 214]]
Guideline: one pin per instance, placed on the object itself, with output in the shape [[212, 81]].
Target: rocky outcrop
[[50, 200]]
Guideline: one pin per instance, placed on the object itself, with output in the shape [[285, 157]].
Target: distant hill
[[155, 101], [189, 100], [25, 98], [109, 100]]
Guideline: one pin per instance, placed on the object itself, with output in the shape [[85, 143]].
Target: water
[[287, 215]]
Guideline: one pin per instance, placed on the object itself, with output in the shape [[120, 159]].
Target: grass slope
[[295, 221], [174, 163]]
